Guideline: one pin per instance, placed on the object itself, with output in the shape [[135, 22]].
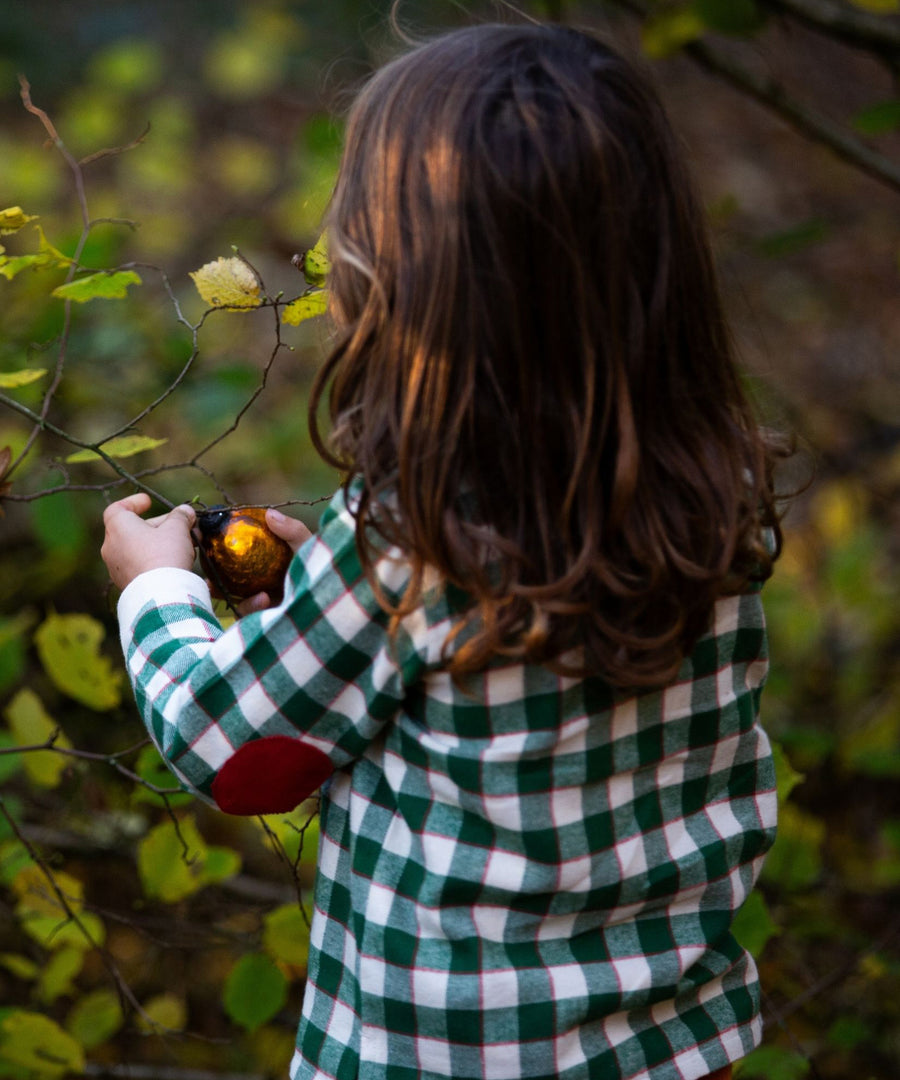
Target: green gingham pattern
[[531, 877]]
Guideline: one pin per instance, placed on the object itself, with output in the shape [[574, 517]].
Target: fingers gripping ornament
[[241, 554]]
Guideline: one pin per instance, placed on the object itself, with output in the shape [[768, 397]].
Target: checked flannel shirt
[[532, 878]]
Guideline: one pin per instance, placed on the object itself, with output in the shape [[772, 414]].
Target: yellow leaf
[[838, 508], [124, 446], [69, 649], [305, 307], [60, 932], [227, 283], [10, 380], [13, 218], [31, 726], [664, 34], [36, 1046], [163, 1011], [37, 896]]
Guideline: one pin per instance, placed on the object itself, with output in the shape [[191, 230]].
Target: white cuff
[[164, 585]]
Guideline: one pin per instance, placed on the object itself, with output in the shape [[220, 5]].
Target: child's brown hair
[[533, 369]]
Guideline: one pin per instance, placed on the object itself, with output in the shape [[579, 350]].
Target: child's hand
[[295, 533], [133, 545]]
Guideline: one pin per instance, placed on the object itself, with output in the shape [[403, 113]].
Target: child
[[523, 654]]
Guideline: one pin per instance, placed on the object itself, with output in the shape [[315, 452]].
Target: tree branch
[[846, 24], [813, 125], [771, 95]]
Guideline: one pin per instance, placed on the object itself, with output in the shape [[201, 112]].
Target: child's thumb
[[289, 529]]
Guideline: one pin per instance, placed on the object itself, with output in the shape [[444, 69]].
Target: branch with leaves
[[686, 27], [171, 861]]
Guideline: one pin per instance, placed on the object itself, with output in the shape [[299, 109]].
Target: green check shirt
[[534, 878]]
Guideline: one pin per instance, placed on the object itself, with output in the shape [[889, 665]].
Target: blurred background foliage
[[199, 962]]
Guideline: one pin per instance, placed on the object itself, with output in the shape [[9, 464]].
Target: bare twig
[[111, 151], [844, 23]]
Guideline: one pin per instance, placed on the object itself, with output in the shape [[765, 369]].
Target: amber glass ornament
[[240, 554]]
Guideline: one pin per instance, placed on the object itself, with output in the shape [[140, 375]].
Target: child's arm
[[256, 717]]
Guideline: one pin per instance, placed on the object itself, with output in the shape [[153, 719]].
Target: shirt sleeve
[[256, 717]]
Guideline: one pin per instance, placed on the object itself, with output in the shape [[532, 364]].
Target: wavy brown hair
[[533, 378]]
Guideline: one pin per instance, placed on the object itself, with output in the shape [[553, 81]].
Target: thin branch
[[813, 125], [25, 93], [770, 94], [110, 151], [844, 23], [44, 424]]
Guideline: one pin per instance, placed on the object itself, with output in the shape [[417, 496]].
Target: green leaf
[[753, 925], [39, 1046], [786, 776], [69, 649], [788, 241], [772, 1063], [11, 380], [665, 33], [95, 1018], [221, 863], [107, 285], [47, 257], [297, 832], [123, 447], [795, 861], [254, 991], [305, 307], [286, 935], [731, 16], [10, 764], [20, 966], [168, 873], [55, 932], [59, 525], [31, 725], [878, 119], [315, 263], [13, 858], [59, 973], [151, 768]]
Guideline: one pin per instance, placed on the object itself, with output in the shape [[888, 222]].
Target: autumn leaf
[[227, 283], [31, 725], [11, 380], [305, 307], [69, 650], [13, 218]]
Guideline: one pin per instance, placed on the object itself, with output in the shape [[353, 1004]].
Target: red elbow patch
[[271, 775]]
